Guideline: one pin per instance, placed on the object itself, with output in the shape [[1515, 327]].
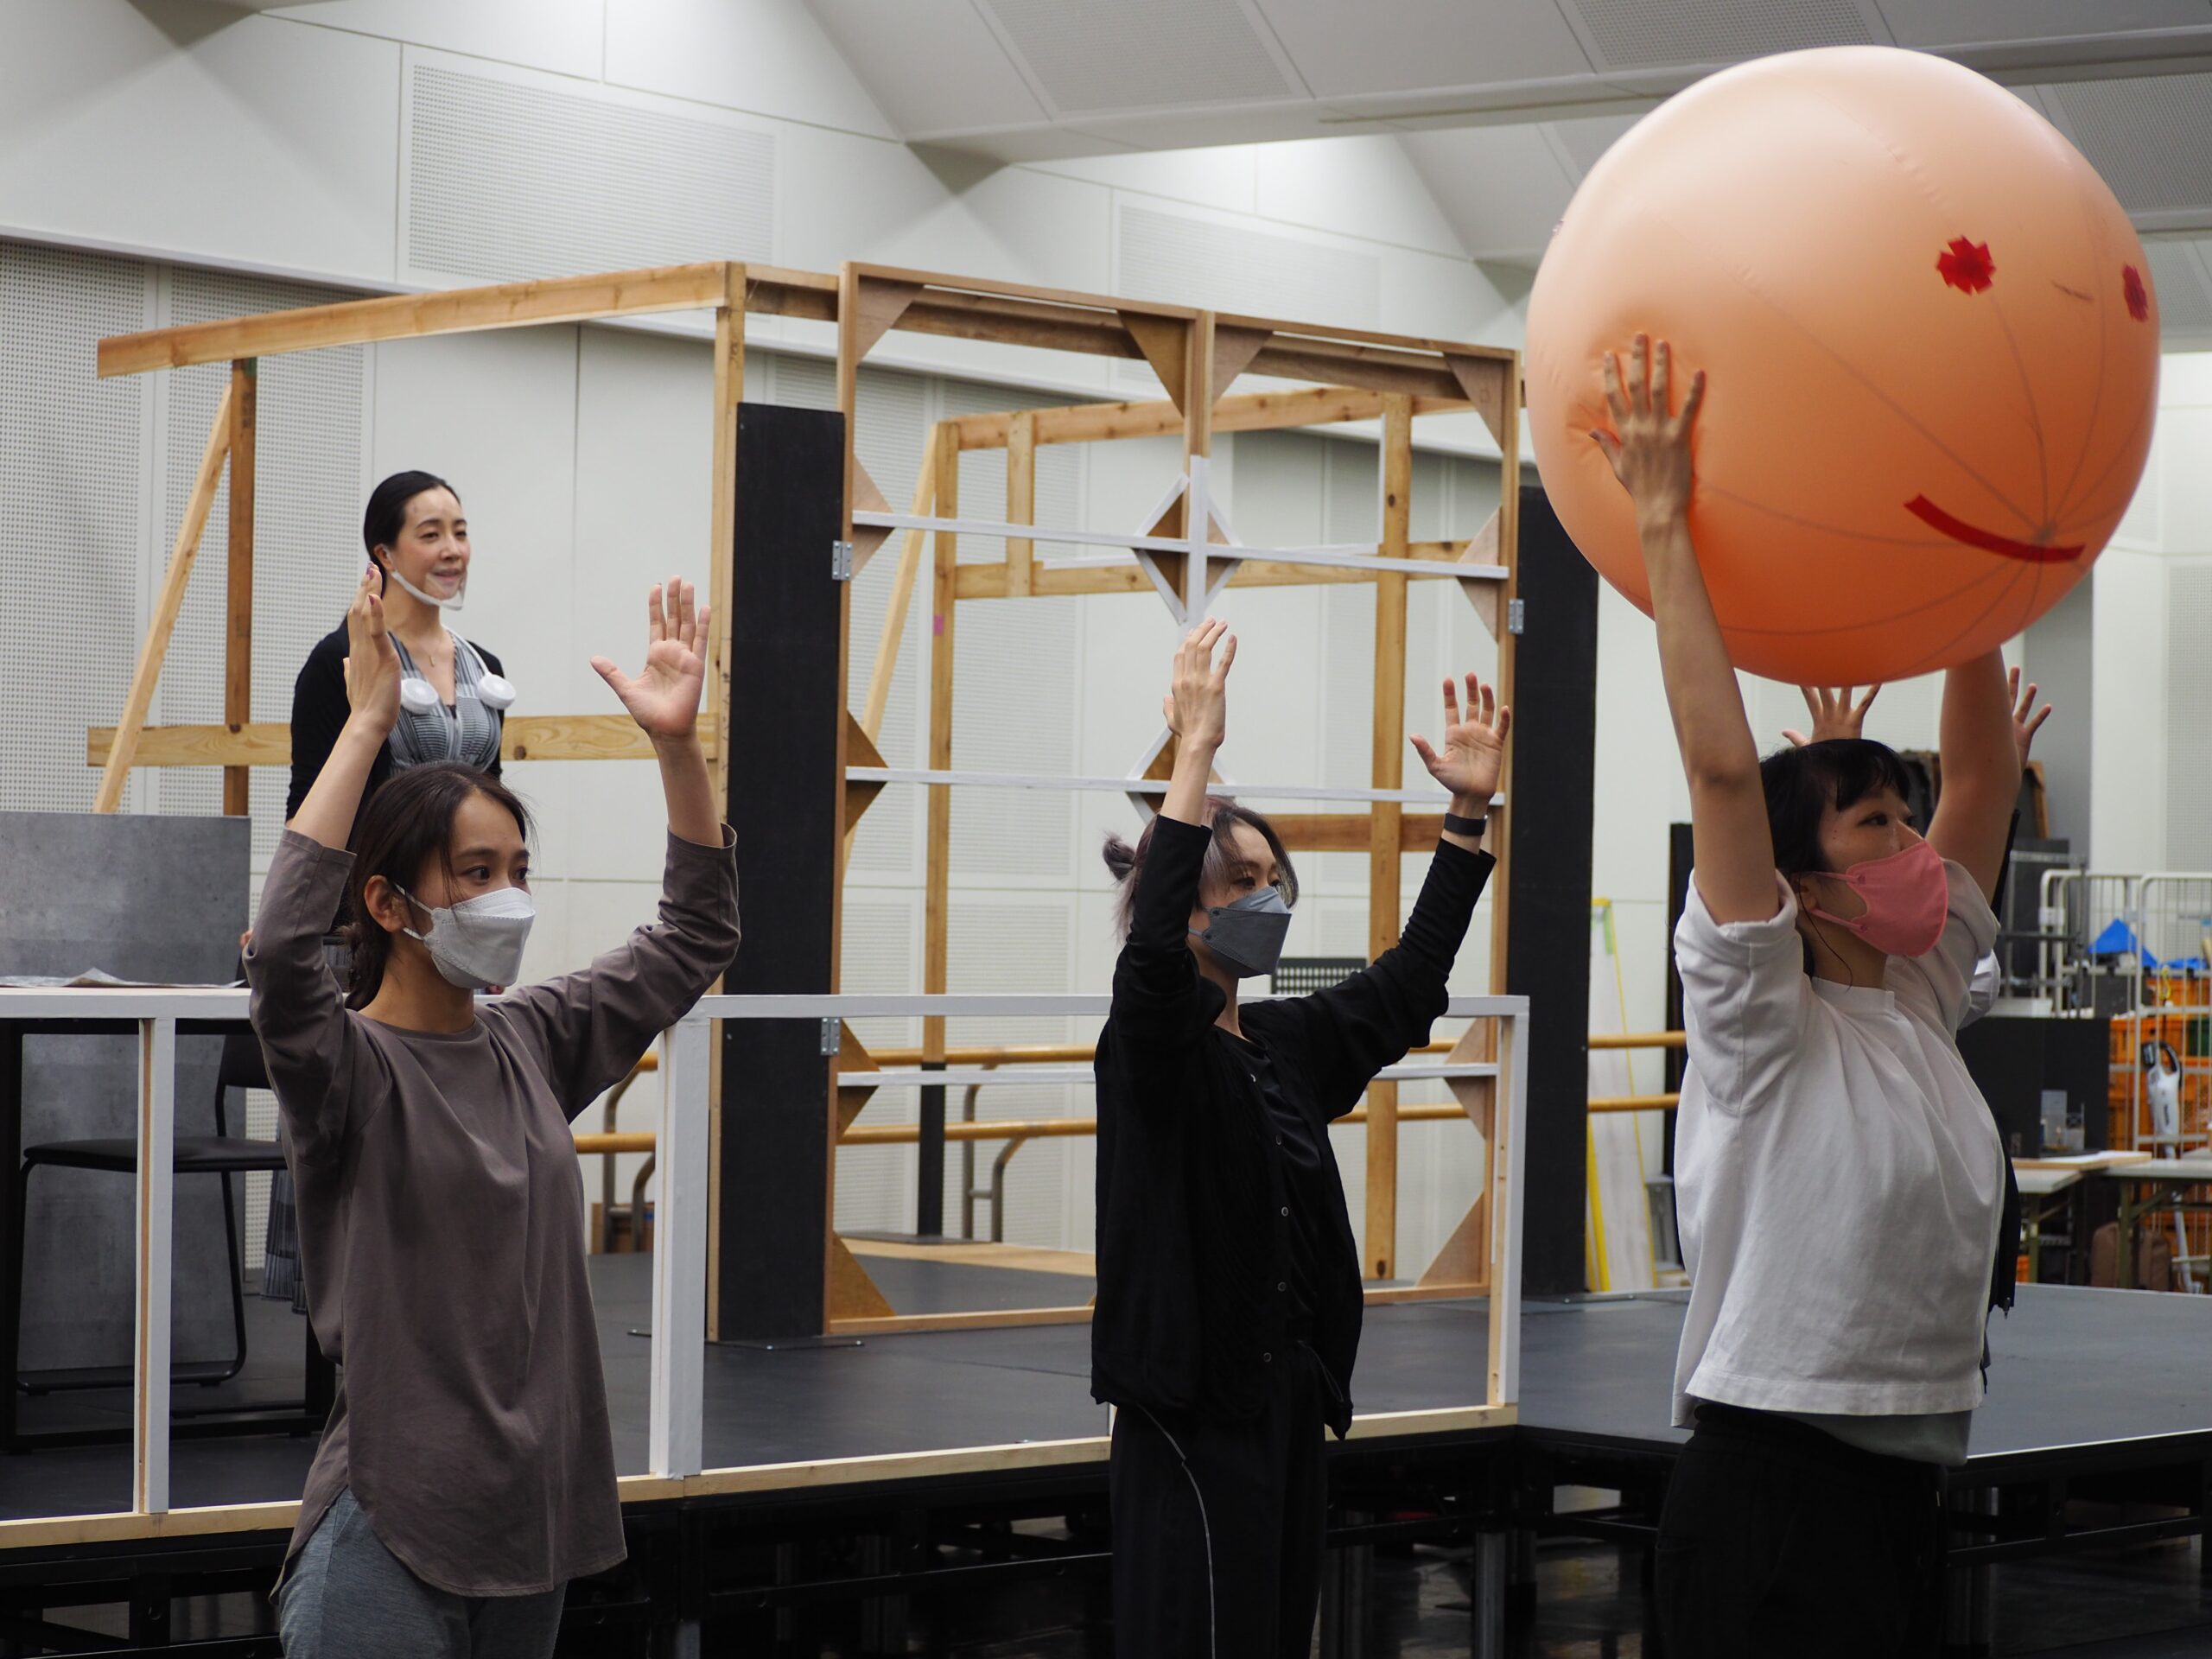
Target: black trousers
[[1219, 1526], [1779, 1539]]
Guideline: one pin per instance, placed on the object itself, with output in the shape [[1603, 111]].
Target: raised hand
[[2027, 719], [1197, 703], [663, 698], [371, 661], [1834, 713], [1474, 744], [1649, 444]]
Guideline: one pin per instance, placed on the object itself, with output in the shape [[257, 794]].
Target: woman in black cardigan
[[1229, 1284]]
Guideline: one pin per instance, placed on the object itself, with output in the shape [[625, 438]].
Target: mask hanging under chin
[[460, 592]]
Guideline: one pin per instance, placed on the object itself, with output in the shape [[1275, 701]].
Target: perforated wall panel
[[1138, 54], [2181, 273], [2187, 693], [1163, 255], [1656, 33], [71, 521], [508, 180], [307, 497]]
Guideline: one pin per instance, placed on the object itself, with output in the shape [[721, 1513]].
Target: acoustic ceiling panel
[[508, 180], [2150, 136], [1140, 55], [1664, 33]]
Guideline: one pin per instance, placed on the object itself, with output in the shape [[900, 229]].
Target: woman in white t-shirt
[[1840, 1179]]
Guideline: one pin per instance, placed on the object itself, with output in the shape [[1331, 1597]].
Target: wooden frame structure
[[1185, 554]]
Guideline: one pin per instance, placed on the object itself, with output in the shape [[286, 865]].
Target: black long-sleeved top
[[1194, 1236], [319, 710]]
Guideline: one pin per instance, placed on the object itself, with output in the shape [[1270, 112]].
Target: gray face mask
[[1248, 936]]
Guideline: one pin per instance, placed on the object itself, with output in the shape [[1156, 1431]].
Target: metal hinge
[[840, 561], [1516, 615], [833, 1036]]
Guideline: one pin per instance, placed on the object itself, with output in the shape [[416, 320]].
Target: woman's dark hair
[[1222, 860], [386, 515], [1803, 783], [407, 822]]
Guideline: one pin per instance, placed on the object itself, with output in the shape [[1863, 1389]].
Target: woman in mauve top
[[467, 1473]]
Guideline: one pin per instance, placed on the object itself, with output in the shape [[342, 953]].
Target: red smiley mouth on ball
[[1988, 540]]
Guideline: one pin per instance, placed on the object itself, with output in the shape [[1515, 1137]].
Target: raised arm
[[307, 1039], [372, 698], [592, 1025], [1981, 748], [1650, 449]]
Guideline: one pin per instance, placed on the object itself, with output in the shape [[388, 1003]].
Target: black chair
[[219, 1154]]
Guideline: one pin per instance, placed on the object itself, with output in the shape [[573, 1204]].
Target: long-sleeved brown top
[[442, 1228]]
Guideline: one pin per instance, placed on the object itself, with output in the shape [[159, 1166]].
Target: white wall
[[2152, 690]]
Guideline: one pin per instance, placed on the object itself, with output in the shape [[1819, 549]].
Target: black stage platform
[[2098, 1430]]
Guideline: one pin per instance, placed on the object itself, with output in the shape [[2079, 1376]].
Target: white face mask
[[460, 592], [478, 942]]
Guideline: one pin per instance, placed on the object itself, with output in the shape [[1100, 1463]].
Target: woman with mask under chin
[[1229, 1284], [466, 1472], [454, 695], [1840, 1181]]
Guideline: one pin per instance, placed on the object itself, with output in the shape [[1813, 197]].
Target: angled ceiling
[[1504, 105]]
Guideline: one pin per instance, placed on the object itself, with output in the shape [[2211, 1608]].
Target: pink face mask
[[1907, 896]]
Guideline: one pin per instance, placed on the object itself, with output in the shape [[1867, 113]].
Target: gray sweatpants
[[347, 1597]]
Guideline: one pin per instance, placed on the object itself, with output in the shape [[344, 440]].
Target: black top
[[319, 710], [1308, 1189], [1191, 1180]]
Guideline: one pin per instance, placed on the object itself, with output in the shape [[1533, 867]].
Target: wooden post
[[937, 893], [1508, 652], [1020, 499], [237, 638], [148, 674], [1384, 855], [902, 585], [722, 578]]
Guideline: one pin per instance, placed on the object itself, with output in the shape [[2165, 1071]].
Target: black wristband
[[1471, 828]]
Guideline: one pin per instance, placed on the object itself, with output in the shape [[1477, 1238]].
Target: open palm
[[663, 697], [1473, 755]]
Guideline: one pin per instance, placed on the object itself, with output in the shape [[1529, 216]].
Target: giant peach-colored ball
[[1932, 348]]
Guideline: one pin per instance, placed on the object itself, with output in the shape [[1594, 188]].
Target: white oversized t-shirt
[[1839, 1179]]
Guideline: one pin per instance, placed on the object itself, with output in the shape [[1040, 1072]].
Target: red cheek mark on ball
[[1966, 266], [2139, 297], [1988, 540]]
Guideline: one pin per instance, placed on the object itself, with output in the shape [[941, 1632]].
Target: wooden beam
[[156, 645], [407, 316], [938, 857], [1020, 502], [1352, 832], [772, 291], [1385, 821], [1376, 368], [902, 588], [942, 285], [1019, 322], [238, 632], [268, 743], [1255, 411]]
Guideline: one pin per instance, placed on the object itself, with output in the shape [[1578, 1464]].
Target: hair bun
[[1121, 857]]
